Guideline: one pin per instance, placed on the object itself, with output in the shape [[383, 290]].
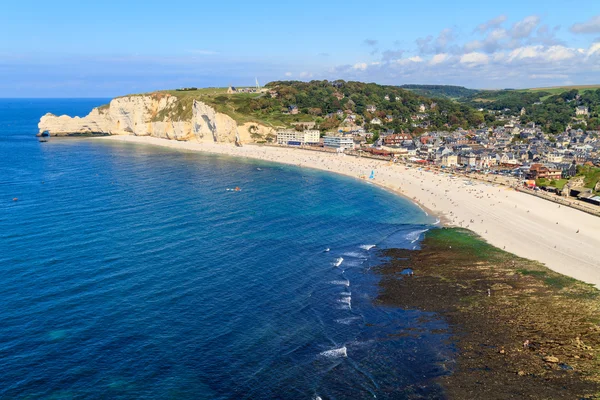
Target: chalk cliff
[[157, 115]]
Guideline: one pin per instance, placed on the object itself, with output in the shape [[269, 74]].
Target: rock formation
[[159, 115]]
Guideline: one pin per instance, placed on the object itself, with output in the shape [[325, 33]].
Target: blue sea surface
[[130, 271]]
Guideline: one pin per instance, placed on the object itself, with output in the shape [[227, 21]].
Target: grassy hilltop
[[409, 108]]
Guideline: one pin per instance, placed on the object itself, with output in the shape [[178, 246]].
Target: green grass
[[591, 176], [559, 184]]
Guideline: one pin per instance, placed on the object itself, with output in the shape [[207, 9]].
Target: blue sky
[[94, 49]]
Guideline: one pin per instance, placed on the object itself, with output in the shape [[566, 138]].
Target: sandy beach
[[565, 239]]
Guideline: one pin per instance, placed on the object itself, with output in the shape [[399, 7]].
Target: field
[[560, 89]]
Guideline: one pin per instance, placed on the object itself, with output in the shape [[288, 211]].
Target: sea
[[133, 271]]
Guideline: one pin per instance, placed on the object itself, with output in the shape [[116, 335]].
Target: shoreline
[[566, 240], [521, 330]]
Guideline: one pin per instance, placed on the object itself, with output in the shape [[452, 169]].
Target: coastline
[[566, 240]]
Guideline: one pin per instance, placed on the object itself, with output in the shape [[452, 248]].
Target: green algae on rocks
[[520, 329]]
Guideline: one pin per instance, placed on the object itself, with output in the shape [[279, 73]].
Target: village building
[[292, 137], [338, 142]]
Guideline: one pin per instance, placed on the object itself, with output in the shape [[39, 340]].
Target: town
[[512, 148]]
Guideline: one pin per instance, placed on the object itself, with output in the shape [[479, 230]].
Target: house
[[449, 160], [375, 121], [338, 95], [231, 90], [396, 139], [422, 108], [389, 118], [338, 142], [467, 159], [540, 171], [581, 110], [386, 97], [293, 109], [292, 137], [371, 108]]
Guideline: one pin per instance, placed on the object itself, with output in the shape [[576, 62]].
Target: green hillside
[[441, 91], [320, 101]]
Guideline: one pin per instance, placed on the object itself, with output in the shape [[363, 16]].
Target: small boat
[[259, 169], [327, 250], [43, 140]]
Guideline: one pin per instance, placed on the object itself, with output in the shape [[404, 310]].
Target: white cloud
[[590, 26], [548, 76], [492, 23], [439, 59], [559, 53], [594, 49], [474, 58], [525, 27], [416, 59], [305, 74], [429, 45], [360, 66], [522, 53], [288, 74]]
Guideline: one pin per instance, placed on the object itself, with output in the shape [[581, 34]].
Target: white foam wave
[[347, 321], [347, 300], [367, 247], [335, 353], [345, 283], [354, 254], [338, 262], [414, 236]]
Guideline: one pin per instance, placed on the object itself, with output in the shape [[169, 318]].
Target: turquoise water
[[132, 272]]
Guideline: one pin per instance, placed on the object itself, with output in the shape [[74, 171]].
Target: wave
[[414, 236], [338, 262], [367, 247], [347, 321], [335, 353], [345, 283], [355, 254], [347, 300]]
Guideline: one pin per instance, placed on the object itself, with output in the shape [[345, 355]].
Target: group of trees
[[441, 91], [397, 106], [323, 98], [558, 111]]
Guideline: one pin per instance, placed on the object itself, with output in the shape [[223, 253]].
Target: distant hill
[[441, 91]]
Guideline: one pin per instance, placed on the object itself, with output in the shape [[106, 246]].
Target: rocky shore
[[521, 330]]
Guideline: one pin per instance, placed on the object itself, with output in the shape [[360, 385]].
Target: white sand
[[522, 224]]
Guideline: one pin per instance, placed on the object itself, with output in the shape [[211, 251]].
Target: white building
[[581, 111], [297, 138], [338, 142]]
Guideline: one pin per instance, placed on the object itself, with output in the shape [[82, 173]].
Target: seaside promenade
[[563, 238]]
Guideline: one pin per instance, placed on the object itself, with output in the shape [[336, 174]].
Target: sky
[[67, 48]]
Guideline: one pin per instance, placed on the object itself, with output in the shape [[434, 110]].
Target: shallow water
[[131, 271]]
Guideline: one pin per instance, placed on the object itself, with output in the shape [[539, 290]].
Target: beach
[[564, 239]]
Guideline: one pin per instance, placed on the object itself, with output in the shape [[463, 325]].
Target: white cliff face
[[152, 115]]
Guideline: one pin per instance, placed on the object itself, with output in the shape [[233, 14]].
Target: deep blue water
[[131, 272]]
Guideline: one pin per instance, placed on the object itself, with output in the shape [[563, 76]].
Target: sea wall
[[158, 115]]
